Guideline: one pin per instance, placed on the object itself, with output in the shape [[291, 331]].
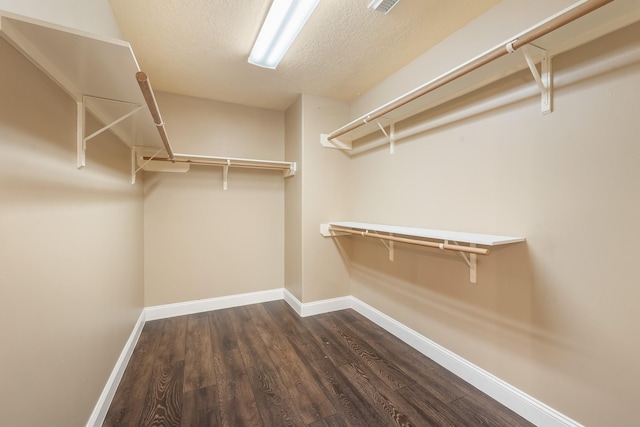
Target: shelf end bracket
[[337, 143], [326, 231], [81, 139], [542, 77], [391, 137], [291, 171], [225, 174], [390, 247], [472, 262]]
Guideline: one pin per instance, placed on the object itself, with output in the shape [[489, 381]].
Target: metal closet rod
[[448, 246], [147, 92], [569, 15]]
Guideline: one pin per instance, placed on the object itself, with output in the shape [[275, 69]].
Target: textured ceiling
[[200, 47]]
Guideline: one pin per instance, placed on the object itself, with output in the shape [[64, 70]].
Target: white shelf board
[[598, 23], [86, 65], [453, 236]]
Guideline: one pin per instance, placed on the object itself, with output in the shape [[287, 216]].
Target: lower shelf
[[423, 237]]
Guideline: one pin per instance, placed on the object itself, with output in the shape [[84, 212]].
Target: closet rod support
[[225, 175], [81, 127], [542, 77], [343, 143], [390, 247], [390, 136], [291, 171], [472, 262]]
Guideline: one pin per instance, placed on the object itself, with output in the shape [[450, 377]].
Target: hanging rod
[[564, 17], [225, 161], [147, 92], [445, 246]]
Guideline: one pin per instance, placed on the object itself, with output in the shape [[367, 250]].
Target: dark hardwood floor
[[262, 365]]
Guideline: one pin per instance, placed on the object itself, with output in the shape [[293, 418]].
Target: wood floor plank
[[431, 410], [442, 384], [274, 402], [386, 402], [480, 410], [163, 405], [332, 421], [199, 370], [384, 368], [236, 400], [329, 344], [221, 329], [352, 406], [311, 400], [128, 401], [263, 365], [200, 408], [171, 348]]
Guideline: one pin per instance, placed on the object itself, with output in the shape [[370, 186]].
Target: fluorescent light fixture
[[383, 6], [283, 23]]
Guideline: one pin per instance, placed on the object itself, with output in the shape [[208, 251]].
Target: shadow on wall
[[44, 172], [436, 283]]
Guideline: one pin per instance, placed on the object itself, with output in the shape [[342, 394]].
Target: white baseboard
[[199, 306], [521, 403], [317, 307], [104, 401]]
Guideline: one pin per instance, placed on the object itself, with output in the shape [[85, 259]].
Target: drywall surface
[[293, 201], [71, 245], [556, 316], [202, 241], [325, 197], [93, 16]]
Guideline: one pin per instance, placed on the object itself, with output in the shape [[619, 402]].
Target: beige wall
[[555, 316], [293, 201], [315, 269], [201, 241], [325, 197], [71, 280]]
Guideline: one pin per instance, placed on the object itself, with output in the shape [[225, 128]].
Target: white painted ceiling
[[200, 47]]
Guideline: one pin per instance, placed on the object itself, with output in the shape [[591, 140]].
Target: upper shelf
[[584, 21], [101, 70]]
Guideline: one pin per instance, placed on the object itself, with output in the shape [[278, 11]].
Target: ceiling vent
[[383, 6]]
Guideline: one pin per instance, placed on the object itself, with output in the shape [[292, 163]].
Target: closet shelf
[[423, 237], [578, 24], [150, 161], [102, 75], [97, 72]]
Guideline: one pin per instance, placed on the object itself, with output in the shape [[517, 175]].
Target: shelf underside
[[98, 71]]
